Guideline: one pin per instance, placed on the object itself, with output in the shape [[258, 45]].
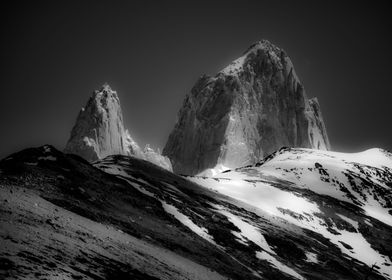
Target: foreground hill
[[125, 218]]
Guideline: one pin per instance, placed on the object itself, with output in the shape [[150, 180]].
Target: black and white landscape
[[247, 186]]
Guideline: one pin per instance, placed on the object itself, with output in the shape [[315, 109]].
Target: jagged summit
[[99, 131], [251, 108], [263, 43], [106, 87], [265, 47], [104, 92]]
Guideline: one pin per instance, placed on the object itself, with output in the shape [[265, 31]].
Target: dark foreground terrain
[[124, 218]]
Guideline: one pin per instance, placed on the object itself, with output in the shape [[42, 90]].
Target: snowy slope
[[341, 196], [126, 217], [364, 179]]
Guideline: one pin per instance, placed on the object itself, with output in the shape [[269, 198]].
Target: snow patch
[[284, 268], [368, 223], [348, 220], [234, 67], [51, 158], [248, 231], [311, 257], [141, 189], [211, 172], [201, 231], [260, 194]]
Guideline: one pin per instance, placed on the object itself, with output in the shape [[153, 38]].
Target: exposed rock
[[132, 148], [251, 108], [99, 131], [157, 158]]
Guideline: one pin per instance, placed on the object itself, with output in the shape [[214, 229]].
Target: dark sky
[[55, 53]]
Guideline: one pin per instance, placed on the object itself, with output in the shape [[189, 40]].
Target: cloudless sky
[[55, 53]]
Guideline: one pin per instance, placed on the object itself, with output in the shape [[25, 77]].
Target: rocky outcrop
[[317, 130], [248, 110], [157, 158], [99, 131]]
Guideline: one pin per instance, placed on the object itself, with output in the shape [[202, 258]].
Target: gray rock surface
[[251, 108], [99, 132], [99, 129], [156, 157]]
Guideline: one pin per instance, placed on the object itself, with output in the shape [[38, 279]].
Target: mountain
[[99, 131], [248, 110], [298, 214]]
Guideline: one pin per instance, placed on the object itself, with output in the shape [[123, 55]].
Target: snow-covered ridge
[[314, 190], [374, 157]]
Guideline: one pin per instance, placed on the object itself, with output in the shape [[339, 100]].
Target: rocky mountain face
[[156, 157], [298, 214], [99, 131], [251, 108]]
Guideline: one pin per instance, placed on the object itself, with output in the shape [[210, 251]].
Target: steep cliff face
[[248, 110], [317, 130], [99, 132], [99, 129]]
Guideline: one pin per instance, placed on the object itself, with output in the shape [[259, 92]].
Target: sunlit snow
[[253, 234], [284, 268], [201, 231], [246, 185]]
